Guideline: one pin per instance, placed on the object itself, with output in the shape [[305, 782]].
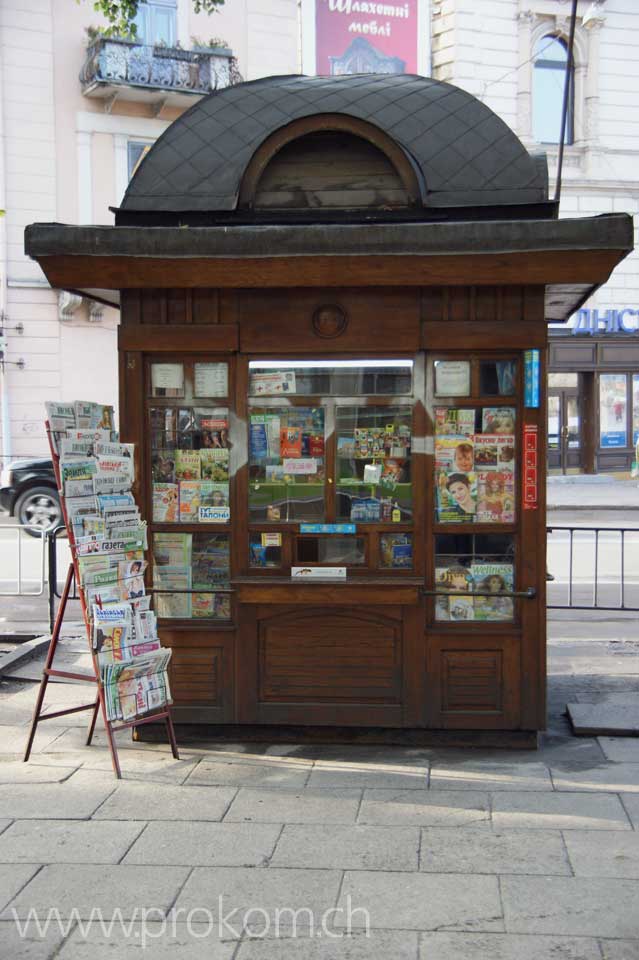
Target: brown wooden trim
[[339, 593], [328, 122], [476, 334], [179, 338], [537, 267]]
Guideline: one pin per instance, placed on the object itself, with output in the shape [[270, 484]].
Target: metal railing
[[28, 551], [52, 557], [593, 568], [576, 557]]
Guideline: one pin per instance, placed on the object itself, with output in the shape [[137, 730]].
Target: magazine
[[498, 420], [495, 497], [494, 451], [495, 579], [163, 466], [187, 464], [165, 502], [397, 550], [456, 497], [290, 443], [214, 464], [454, 454], [172, 549], [455, 421], [189, 496], [454, 577]]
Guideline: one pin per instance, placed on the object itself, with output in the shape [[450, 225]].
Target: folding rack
[[48, 670]]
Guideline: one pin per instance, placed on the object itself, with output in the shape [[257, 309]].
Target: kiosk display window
[[331, 464], [473, 572]]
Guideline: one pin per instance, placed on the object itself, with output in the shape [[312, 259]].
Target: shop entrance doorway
[[564, 429]]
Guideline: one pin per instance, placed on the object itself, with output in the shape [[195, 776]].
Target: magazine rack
[[48, 671]]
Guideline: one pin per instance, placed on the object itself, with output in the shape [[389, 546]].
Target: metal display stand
[[164, 714]]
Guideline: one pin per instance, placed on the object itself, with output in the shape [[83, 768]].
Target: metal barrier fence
[[593, 568], [27, 551], [54, 588]]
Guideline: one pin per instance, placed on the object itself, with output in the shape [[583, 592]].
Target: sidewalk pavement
[[599, 491], [448, 854]]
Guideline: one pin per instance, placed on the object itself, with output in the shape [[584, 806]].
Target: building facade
[[74, 123]]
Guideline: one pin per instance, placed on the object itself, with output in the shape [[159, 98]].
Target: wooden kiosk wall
[[440, 676]]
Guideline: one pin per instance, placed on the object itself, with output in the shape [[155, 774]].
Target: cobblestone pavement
[[274, 852]]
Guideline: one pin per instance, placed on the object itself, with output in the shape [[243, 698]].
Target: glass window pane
[[172, 571], [612, 410], [497, 378], [373, 466], [635, 408], [211, 574], [265, 549], [336, 551], [475, 464], [343, 378], [553, 422], [190, 464], [286, 463], [396, 550], [473, 573], [563, 379]]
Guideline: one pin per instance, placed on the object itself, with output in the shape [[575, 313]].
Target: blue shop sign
[[613, 438]]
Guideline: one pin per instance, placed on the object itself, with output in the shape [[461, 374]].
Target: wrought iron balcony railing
[[138, 71]]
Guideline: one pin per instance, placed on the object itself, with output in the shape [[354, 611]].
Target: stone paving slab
[[607, 777], [348, 847], [559, 811], [481, 849], [160, 767], [16, 771], [4, 824], [436, 808], [52, 800], [420, 901], [149, 941], [251, 773], [31, 946], [250, 897], [295, 806], [354, 753], [333, 774], [13, 738], [142, 801], [620, 748], [13, 877], [605, 719], [378, 945], [73, 841], [630, 802], [506, 946], [620, 949], [205, 844], [86, 888], [574, 906], [471, 775], [613, 854]]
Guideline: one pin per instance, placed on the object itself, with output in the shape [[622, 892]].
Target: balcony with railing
[[128, 70]]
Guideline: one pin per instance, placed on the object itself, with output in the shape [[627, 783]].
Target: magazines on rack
[[494, 579], [495, 497], [109, 538], [454, 581], [457, 421]]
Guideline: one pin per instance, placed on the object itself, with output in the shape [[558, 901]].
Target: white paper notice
[[211, 379], [319, 573], [300, 465], [167, 377], [452, 378]]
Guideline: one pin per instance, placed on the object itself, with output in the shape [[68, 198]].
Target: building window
[[612, 410], [635, 408], [156, 22], [550, 62], [136, 152]]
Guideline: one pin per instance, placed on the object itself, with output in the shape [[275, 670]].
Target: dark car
[[28, 492]]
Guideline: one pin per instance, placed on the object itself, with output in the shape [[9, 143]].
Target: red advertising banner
[[365, 36]]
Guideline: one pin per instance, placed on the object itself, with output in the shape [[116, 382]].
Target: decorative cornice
[[68, 304]]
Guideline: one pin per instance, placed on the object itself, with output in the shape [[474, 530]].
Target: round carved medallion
[[329, 321]]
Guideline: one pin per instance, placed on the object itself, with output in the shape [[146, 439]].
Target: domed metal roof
[[466, 154]]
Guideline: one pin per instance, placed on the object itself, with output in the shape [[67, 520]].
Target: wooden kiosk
[[334, 296]]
